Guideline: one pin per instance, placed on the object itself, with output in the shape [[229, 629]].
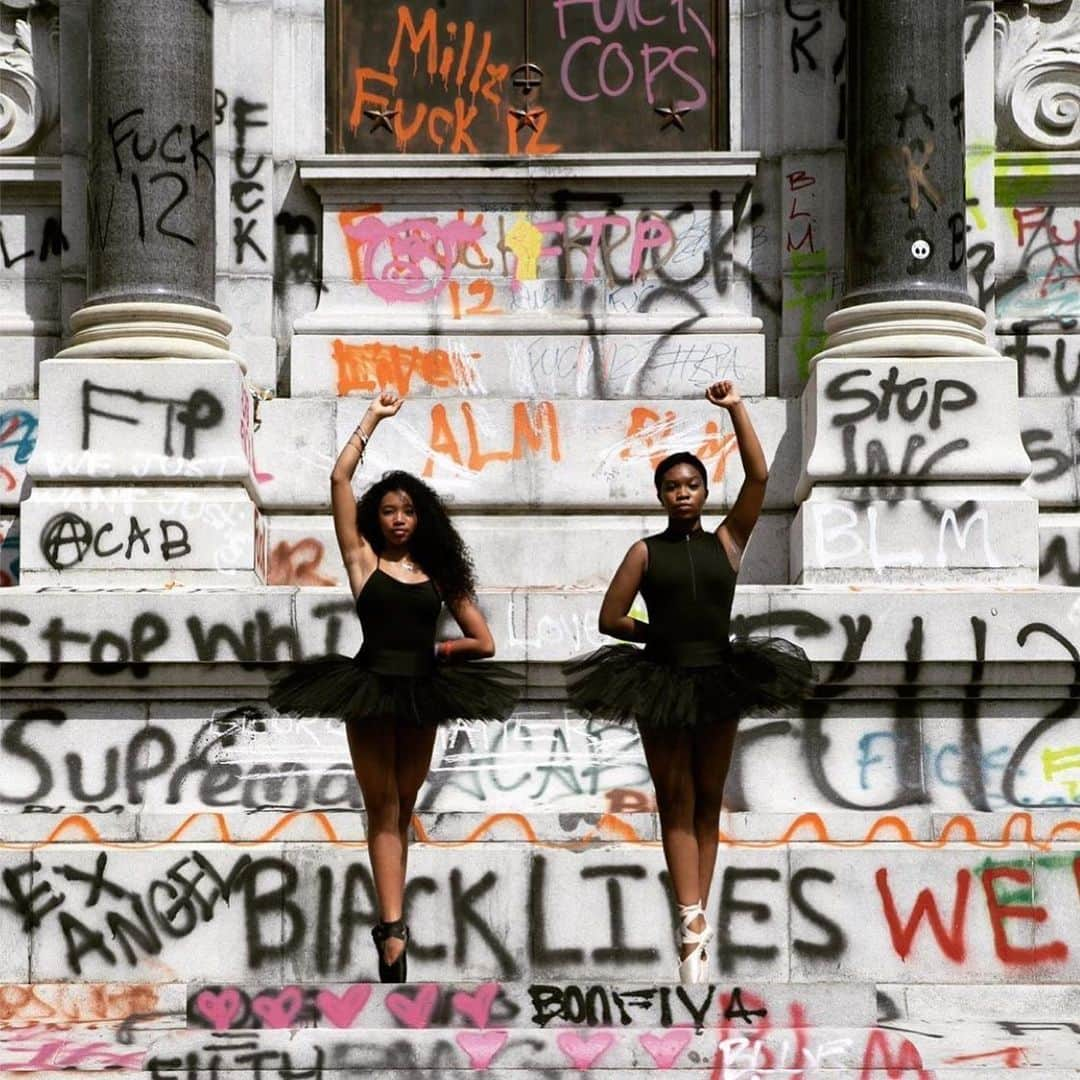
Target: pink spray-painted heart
[[583, 1053], [477, 1005], [665, 1049], [414, 1012], [279, 1010], [220, 1009], [341, 1010], [481, 1046]]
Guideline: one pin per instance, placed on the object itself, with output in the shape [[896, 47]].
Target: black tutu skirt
[[622, 683], [412, 690]]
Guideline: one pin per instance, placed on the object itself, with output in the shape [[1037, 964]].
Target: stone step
[[217, 1071], [1015, 1006], [218, 913], [1015, 634], [207, 769], [525, 1006], [332, 1029], [579, 822], [730, 1048], [582, 553]]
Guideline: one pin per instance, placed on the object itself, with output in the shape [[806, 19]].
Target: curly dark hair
[[436, 544]]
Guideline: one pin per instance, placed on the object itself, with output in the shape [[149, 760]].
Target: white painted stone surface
[[782, 914], [507, 241], [910, 419], [532, 364], [937, 533], [135, 895], [30, 268], [808, 63], [1047, 365], [520, 550], [1024, 626], [15, 965], [1059, 549], [569, 454], [293, 451], [863, 762], [893, 949], [23, 352], [141, 420], [1049, 433], [73, 531]]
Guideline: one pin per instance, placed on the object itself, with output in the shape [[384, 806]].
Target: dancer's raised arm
[[689, 686], [405, 560], [743, 516], [356, 552]]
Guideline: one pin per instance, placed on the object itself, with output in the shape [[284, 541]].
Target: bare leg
[[713, 745], [669, 755], [373, 747], [414, 749]]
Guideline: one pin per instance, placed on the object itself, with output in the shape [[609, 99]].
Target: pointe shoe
[[397, 971], [694, 967]]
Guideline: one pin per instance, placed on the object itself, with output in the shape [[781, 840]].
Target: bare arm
[[615, 620], [476, 642], [356, 553], [734, 531]]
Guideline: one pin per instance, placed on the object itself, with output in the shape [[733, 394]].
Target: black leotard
[[394, 678], [690, 672], [398, 619], [688, 588]]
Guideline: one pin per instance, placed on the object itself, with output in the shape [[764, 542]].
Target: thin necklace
[[410, 566]]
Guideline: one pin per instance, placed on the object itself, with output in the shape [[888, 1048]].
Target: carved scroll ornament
[[1037, 74], [29, 40]]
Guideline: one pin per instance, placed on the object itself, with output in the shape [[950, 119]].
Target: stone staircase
[[185, 891], [497, 1028], [543, 946]]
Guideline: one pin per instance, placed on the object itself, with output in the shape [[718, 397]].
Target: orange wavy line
[[487, 826], [76, 823], [418, 830], [1018, 829]]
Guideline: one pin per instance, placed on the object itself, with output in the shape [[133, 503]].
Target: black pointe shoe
[[395, 972]]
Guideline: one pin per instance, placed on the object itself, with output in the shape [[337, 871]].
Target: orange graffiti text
[[374, 365], [649, 433], [298, 564], [533, 433], [462, 80]]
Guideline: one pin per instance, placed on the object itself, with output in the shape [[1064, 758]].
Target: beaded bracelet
[[363, 442]]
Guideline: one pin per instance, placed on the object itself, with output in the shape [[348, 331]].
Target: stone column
[[905, 159], [150, 191], [142, 474], [912, 455]]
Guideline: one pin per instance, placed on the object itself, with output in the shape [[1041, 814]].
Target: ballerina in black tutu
[[687, 688], [404, 560]]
